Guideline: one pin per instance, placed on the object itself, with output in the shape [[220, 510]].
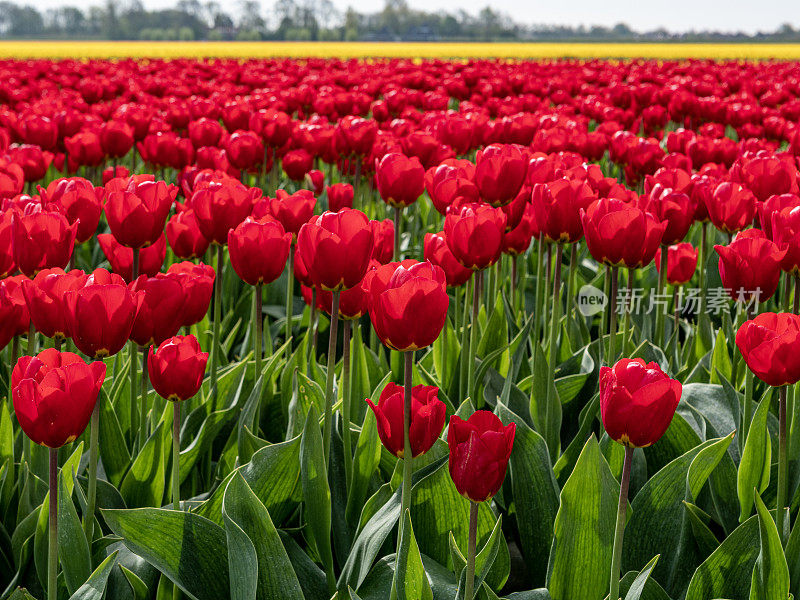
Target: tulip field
[[399, 329]]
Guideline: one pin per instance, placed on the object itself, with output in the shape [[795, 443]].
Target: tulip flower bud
[[259, 249], [637, 401], [54, 394], [770, 345], [177, 367], [427, 418], [479, 451], [681, 263], [410, 311]]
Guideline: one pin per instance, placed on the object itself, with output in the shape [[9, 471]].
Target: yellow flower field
[[517, 50]]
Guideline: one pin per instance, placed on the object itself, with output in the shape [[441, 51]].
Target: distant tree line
[[317, 20]]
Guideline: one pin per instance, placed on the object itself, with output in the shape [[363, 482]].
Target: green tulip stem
[[658, 333], [552, 349], [405, 498], [31, 349], [747, 413], [314, 319], [469, 588], [612, 315], [346, 408], [626, 327], [176, 455], [134, 424], [357, 184], [258, 324], [133, 408], [333, 334], [514, 276], [91, 495], [573, 269], [215, 342], [473, 340], [464, 339], [702, 262], [144, 422], [540, 289], [289, 290], [782, 464], [397, 216], [52, 546], [619, 532]]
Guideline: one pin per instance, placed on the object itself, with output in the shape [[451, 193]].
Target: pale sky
[[674, 15]]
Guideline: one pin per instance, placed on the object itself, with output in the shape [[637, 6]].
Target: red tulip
[[772, 205], [84, 149], [479, 451], [427, 418], [673, 208], [292, 210], [517, 241], [12, 178], [409, 312], [54, 395], [198, 286], [450, 181], [7, 264], [619, 234], [33, 161], [177, 367], [14, 316], [557, 208], [315, 179], [259, 250], [750, 266], [500, 172], [336, 248], [355, 136], [731, 207], [44, 295], [116, 138], [637, 401], [42, 240], [383, 234], [474, 234], [100, 315], [340, 195], [205, 132], [399, 179], [159, 316], [220, 206], [245, 150], [296, 163], [184, 235], [681, 263], [78, 200], [438, 253], [770, 345], [138, 212], [121, 257]]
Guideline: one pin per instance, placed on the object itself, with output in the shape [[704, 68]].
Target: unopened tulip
[[336, 248], [259, 250], [479, 451], [410, 311], [427, 418], [177, 367], [681, 263], [474, 234], [54, 394], [637, 401]]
